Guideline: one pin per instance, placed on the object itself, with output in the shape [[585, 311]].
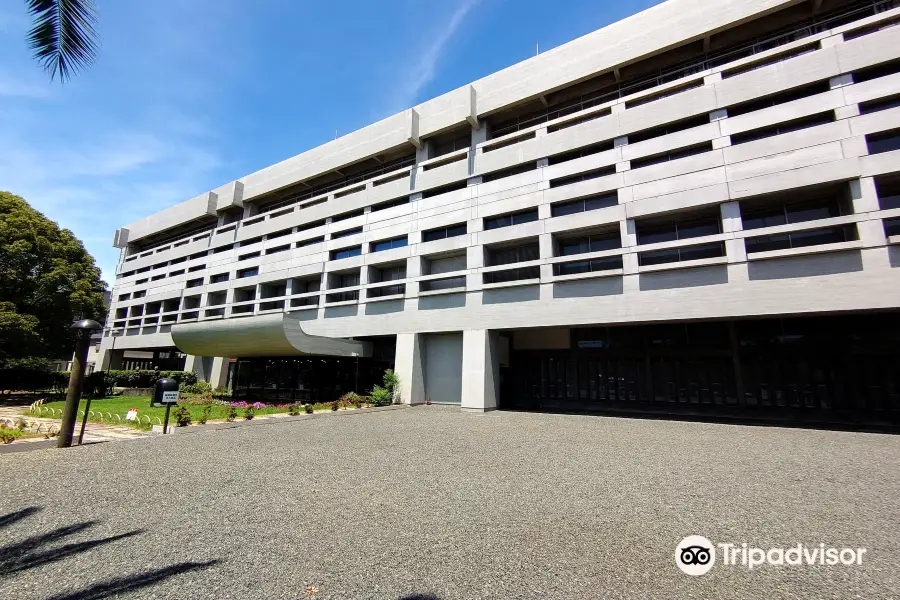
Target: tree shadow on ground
[[36, 551], [419, 597]]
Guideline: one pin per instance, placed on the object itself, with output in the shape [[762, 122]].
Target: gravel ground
[[431, 503]]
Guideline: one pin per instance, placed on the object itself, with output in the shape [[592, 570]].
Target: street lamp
[[83, 330], [113, 333]]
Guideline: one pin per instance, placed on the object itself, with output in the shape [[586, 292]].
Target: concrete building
[[695, 210]]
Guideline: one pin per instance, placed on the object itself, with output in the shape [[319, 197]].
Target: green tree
[[47, 280], [64, 38]]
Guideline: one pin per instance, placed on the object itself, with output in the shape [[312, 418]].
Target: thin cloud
[[423, 72]]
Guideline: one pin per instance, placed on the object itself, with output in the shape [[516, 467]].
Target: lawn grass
[[120, 405]]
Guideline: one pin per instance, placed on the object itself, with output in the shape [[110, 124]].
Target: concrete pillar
[[218, 376], [409, 366], [481, 370]]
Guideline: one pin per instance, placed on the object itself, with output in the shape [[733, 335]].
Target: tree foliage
[[64, 36], [47, 280]]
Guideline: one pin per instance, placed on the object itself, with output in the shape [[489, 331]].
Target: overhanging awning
[[278, 334]]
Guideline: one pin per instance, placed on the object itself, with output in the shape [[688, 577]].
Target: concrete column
[[864, 195], [218, 375], [481, 370], [731, 217], [409, 366]]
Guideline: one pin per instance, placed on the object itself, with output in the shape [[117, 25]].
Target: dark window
[[589, 243], [512, 275], [343, 280], [883, 142], [278, 234], [874, 72], [222, 249], [888, 193], [142, 293], [509, 141], [444, 232], [124, 297], [311, 225], [387, 290], [250, 272], [572, 207], [517, 170], [274, 305], [459, 185], [248, 256], [390, 204], [347, 215], [199, 254], [346, 233], [343, 296], [879, 105], [588, 266], [346, 252], [514, 254], [677, 230], [655, 132], [658, 257], [518, 218], [446, 283], [398, 242], [891, 227], [218, 278], [277, 249], [446, 147], [801, 239], [660, 95], [580, 153], [310, 241], [794, 212], [390, 274], [194, 283], [175, 261], [251, 241], [196, 268], [178, 272], [561, 181], [781, 128], [797, 93], [158, 277], [771, 60], [670, 156]]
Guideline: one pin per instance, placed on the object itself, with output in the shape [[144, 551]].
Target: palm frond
[[64, 38]]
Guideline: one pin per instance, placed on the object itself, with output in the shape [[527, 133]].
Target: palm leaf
[[63, 38]]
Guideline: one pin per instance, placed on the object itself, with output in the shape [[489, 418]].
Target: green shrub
[[249, 412], [308, 408], [335, 405], [204, 414], [182, 416], [381, 396], [294, 410], [7, 436], [221, 393], [198, 387], [391, 380], [232, 414]]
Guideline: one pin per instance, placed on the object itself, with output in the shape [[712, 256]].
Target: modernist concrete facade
[[699, 161]]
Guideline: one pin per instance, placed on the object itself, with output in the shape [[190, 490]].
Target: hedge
[[35, 377]]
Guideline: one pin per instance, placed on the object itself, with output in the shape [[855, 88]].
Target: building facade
[[695, 210]]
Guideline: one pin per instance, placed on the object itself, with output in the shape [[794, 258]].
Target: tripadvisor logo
[[696, 555]]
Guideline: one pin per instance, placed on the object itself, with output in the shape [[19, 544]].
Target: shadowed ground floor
[[431, 500]]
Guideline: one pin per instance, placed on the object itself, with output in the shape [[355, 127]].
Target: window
[[879, 105], [398, 242], [509, 141], [346, 233], [346, 252], [517, 170], [572, 207], [311, 225], [665, 94], [891, 227], [655, 132], [506, 275], [223, 249], [580, 153], [388, 273], [797, 93], [685, 253], [459, 185], [279, 234], [158, 277], [876, 71], [310, 241], [588, 266], [249, 272], [194, 283], [218, 278], [793, 212], [888, 193], [589, 243], [273, 289], [771, 60], [446, 283], [444, 232], [518, 218], [801, 239], [306, 285], [347, 215], [196, 268], [199, 255], [460, 143], [780, 128], [561, 181], [248, 256], [342, 280], [514, 254], [390, 204], [178, 272], [278, 249], [386, 290], [647, 161], [887, 141], [351, 296], [124, 297], [275, 305], [677, 230]]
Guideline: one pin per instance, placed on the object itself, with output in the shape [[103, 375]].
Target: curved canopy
[[278, 334]]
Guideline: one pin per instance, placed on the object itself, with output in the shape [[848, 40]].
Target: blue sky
[[189, 94]]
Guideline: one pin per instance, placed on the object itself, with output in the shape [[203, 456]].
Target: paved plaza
[[429, 502]]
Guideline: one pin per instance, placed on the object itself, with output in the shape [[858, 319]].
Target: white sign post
[[170, 397]]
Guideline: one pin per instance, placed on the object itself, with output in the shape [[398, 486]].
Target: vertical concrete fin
[[412, 128]]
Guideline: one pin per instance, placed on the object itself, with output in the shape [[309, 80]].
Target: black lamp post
[[87, 406], [83, 330]]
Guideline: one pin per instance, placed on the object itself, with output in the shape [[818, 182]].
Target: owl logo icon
[[695, 555]]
